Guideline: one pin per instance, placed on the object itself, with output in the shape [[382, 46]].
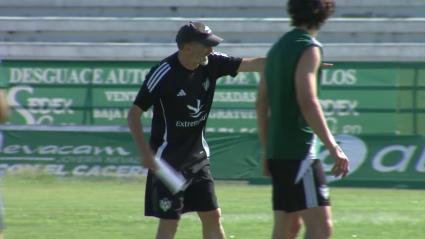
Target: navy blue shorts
[[309, 191], [198, 196]]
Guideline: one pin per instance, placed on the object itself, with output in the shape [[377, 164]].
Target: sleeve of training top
[[150, 89], [224, 64]]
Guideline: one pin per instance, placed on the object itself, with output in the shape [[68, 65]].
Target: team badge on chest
[[206, 84]]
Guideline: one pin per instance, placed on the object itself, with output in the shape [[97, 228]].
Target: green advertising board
[[69, 153], [399, 160], [396, 161], [358, 98], [84, 151], [379, 107]]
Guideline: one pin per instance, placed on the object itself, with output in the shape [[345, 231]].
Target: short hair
[[310, 13]]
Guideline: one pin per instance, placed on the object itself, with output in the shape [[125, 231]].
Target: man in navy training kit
[[181, 89]]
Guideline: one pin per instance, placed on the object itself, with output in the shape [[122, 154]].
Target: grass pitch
[[43, 207]]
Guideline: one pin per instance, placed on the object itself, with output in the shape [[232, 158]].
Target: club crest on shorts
[[165, 204]]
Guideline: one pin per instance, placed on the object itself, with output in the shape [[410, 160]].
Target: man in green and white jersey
[[289, 118]]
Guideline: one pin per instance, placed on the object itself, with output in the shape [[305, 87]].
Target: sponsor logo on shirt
[[196, 112], [186, 124]]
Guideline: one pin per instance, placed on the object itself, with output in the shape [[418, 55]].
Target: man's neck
[[311, 31], [185, 62]]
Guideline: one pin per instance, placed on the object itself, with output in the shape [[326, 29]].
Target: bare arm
[[257, 64], [262, 108], [262, 111], [252, 64], [4, 106], [136, 129], [306, 88]]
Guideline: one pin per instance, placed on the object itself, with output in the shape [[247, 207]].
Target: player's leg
[[211, 224], [286, 225], [287, 222], [167, 229], [160, 203], [317, 213], [318, 222], [200, 197]]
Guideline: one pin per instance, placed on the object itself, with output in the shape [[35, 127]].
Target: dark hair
[[310, 13]]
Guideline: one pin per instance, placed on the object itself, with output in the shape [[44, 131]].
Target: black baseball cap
[[197, 32]]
